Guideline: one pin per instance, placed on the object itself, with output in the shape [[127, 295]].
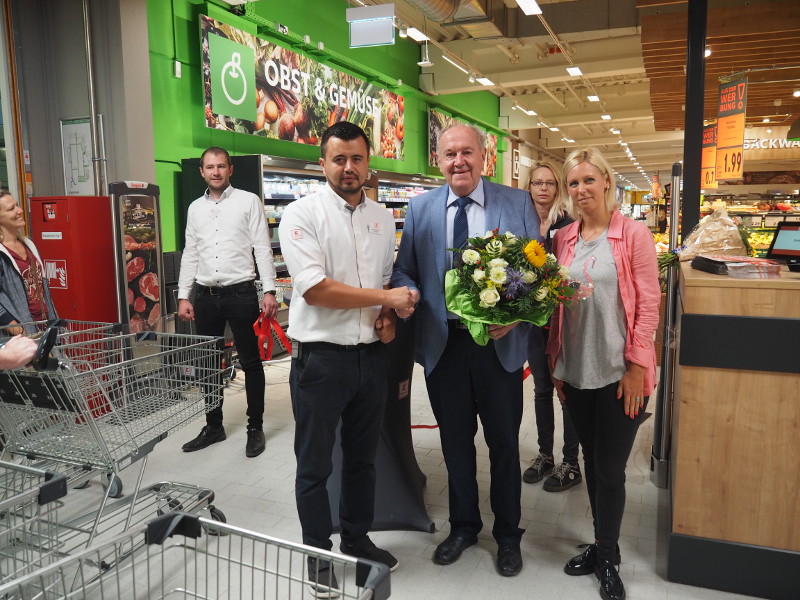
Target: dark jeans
[[240, 310], [469, 382], [328, 384], [543, 399], [607, 435]]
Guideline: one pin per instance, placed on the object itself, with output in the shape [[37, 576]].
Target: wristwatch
[[273, 292]]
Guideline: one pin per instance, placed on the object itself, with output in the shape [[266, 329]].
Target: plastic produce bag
[[715, 234]]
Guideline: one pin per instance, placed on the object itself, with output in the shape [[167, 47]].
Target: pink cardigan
[[635, 256]]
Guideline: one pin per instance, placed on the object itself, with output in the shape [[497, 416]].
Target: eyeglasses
[[540, 184]]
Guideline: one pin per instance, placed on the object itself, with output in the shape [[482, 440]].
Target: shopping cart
[[29, 501], [110, 398], [169, 557]]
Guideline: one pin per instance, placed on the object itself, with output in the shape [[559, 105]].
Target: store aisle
[[257, 494]]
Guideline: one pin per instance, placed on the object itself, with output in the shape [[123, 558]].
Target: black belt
[[339, 347], [455, 324], [226, 290]]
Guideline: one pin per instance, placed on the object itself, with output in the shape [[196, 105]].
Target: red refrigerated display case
[[102, 254]]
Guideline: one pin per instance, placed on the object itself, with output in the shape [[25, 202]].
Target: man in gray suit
[[464, 380]]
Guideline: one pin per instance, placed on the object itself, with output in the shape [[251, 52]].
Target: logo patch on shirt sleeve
[[297, 234]]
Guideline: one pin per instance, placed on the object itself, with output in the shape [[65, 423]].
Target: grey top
[[593, 330]]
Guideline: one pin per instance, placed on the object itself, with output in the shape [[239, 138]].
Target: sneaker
[[366, 549], [540, 466], [322, 579], [564, 477], [208, 435], [255, 443]]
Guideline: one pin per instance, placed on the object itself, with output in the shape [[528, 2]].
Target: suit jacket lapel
[[492, 208], [439, 232]]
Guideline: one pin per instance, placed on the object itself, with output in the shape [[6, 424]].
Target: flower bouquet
[[504, 279]]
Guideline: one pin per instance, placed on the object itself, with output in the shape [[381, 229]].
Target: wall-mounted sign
[[438, 121], [708, 177], [256, 87], [731, 110], [76, 153], [515, 165]]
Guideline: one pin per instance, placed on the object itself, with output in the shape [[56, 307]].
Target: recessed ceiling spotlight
[[796, 93], [707, 52]]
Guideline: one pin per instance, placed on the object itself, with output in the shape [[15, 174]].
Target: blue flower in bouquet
[[503, 279]]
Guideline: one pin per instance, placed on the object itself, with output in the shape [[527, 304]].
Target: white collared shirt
[[323, 237], [476, 219], [221, 238]]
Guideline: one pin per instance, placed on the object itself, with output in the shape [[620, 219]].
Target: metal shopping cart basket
[[169, 557], [109, 400], [29, 536]]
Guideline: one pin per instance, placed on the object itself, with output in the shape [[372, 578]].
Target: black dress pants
[[240, 309], [469, 382]]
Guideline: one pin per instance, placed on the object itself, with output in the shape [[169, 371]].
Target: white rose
[[498, 263], [470, 256], [478, 275], [563, 272], [488, 234], [498, 275], [541, 294], [510, 237], [495, 248], [528, 277], [489, 297]]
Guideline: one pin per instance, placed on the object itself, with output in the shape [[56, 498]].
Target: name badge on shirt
[[374, 228]]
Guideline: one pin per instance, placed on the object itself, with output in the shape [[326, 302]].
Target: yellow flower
[[535, 253]]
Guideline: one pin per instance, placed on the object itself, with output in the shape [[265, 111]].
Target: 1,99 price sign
[[729, 163]]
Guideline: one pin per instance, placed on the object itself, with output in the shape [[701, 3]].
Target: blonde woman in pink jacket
[[601, 349]]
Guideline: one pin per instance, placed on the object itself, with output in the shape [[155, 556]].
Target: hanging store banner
[[256, 87], [731, 110], [708, 164], [438, 121]]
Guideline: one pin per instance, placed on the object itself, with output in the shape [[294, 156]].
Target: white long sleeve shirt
[[221, 238], [323, 237]]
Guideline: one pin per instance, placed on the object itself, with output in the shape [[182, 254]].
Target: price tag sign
[[708, 176], [730, 129]]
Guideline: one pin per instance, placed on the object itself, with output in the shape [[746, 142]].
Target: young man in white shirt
[[339, 248], [225, 228]]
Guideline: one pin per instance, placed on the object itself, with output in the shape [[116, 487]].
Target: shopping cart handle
[[42, 361], [165, 526]]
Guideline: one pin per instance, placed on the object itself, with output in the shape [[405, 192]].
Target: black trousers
[[328, 384], [240, 309], [606, 434], [543, 400], [469, 382]]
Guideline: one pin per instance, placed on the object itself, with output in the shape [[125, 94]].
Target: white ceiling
[[526, 58]]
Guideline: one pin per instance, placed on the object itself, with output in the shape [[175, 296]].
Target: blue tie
[[460, 225]]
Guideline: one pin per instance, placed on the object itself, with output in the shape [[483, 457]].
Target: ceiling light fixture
[[707, 52], [416, 35], [765, 120], [614, 131], [454, 63], [426, 61], [593, 98], [403, 31], [529, 7], [472, 77], [574, 71], [530, 113], [485, 81], [554, 129], [605, 117], [796, 93]]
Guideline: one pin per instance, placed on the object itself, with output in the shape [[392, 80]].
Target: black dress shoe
[[611, 587], [509, 560], [255, 443], [208, 435], [585, 562], [449, 551]]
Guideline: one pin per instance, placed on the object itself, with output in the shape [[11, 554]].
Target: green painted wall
[[179, 126]]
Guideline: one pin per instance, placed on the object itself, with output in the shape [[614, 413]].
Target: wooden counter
[[735, 453]]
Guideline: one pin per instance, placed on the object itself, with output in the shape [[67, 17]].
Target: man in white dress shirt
[[225, 228], [339, 248]]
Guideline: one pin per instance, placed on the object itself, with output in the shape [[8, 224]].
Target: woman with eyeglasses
[[601, 349], [550, 203]]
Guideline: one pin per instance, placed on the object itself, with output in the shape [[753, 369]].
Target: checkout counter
[[735, 453]]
